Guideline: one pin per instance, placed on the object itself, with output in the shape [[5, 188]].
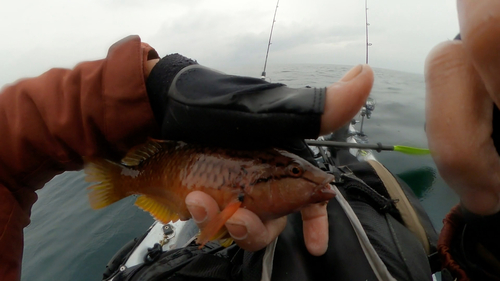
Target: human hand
[[343, 101], [193, 103], [463, 84]]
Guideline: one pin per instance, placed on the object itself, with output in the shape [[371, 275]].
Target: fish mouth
[[319, 177], [329, 179], [323, 182], [327, 189]]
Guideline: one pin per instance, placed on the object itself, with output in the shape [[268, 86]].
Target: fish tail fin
[[105, 172], [216, 229]]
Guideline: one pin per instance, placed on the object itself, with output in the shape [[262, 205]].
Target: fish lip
[[328, 189], [329, 179]]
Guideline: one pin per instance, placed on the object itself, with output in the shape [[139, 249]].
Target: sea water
[[67, 240]]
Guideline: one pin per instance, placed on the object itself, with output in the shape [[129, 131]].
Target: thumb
[[346, 97]]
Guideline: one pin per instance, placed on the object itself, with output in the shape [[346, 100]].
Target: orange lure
[[271, 183]]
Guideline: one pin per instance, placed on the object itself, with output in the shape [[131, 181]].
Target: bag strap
[[207, 266], [358, 189], [404, 206]]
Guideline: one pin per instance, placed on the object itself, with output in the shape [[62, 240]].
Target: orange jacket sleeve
[[49, 122]]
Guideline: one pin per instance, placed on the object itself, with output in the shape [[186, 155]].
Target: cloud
[[53, 33]]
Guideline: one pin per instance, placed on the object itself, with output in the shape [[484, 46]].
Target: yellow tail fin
[[103, 171]]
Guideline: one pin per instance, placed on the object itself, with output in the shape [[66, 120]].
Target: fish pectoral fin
[[158, 210], [215, 229]]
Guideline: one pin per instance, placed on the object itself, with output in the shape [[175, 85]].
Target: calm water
[[66, 240]]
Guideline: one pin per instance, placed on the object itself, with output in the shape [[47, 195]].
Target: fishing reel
[[368, 108], [326, 154], [347, 133]]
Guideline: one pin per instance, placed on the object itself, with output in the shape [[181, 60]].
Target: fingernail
[[355, 71], [237, 229], [198, 212]]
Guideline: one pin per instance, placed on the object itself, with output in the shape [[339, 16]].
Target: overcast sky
[[223, 34]]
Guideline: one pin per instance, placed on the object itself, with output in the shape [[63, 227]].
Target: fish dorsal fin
[[157, 210], [142, 152]]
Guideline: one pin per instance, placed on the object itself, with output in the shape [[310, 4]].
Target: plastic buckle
[[153, 254], [334, 170], [344, 172]]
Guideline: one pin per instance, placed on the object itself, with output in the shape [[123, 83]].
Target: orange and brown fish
[[271, 183]]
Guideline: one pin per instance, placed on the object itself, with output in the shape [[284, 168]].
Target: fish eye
[[295, 170]]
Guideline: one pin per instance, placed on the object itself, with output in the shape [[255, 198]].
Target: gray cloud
[[227, 34]]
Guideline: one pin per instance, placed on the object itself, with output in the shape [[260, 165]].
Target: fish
[[269, 182]]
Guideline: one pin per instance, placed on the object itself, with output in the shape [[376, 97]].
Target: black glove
[[197, 104]]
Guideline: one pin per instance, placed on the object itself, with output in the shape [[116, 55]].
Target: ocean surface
[[67, 240]]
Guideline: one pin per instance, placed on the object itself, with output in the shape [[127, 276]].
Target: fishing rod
[[378, 147], [368, 44], [269, 43]]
